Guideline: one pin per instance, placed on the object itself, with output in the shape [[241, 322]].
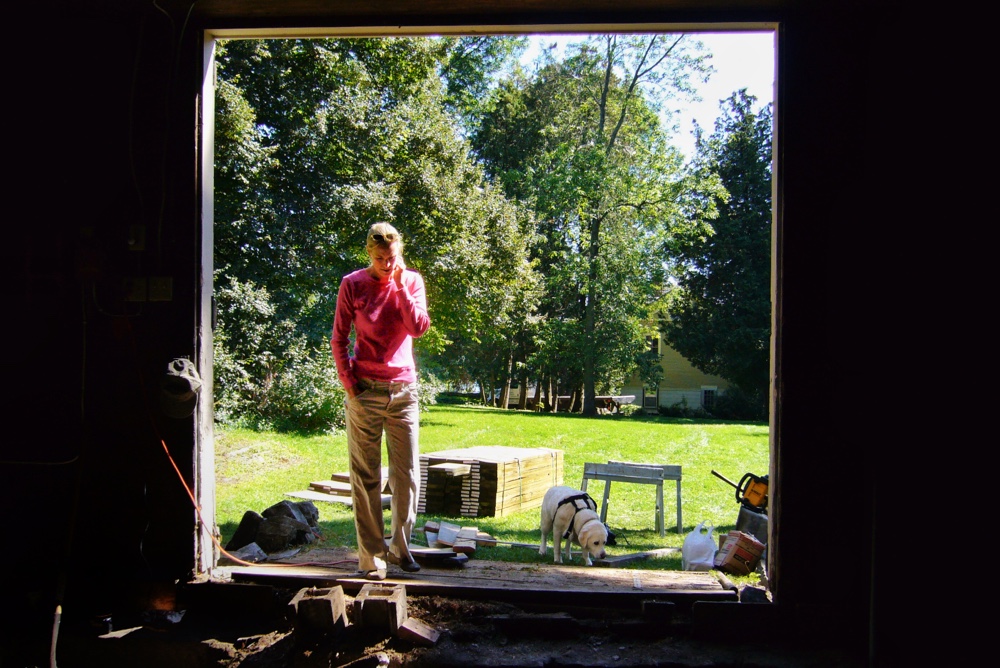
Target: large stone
[[277, 533], [246, 532], [305, 512]]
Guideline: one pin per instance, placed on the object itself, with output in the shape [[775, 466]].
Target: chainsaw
[[751, 491]]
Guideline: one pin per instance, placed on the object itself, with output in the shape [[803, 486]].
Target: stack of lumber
[[338, 489], [487, 481]]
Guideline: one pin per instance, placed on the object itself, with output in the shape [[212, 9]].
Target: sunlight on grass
[[256, 470]]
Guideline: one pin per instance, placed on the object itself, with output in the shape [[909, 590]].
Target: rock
[[246, 532]]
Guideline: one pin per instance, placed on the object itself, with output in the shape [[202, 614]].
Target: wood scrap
[[448, 533], [331, 487], [484, 539], [464, 546], [467, 533], [431, 552]]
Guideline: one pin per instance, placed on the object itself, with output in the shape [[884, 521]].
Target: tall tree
[[583, 142], [319, 139], [719, 316]]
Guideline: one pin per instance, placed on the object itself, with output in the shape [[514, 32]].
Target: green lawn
[[255, 470]]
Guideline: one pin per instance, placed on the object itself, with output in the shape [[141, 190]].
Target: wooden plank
[[464, 546], [668, 469], [431, 552], [331, 487], [345, 477], [485, 539], [641, 473], [506, 581], [448, 533], [467, 533], [452, 469], [313, 495]]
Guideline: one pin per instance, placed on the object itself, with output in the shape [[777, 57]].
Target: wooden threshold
[[567, 585]]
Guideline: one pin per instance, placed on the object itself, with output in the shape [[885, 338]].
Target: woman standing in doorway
[[386, 305]]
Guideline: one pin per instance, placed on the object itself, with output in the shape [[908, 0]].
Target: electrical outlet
[[161, 288]]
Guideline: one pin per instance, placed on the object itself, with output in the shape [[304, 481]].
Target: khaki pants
[[391, 408]]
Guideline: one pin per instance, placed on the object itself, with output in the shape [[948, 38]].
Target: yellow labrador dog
[[571, 514]]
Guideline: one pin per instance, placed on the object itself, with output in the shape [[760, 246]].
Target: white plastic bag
[[698, 551]]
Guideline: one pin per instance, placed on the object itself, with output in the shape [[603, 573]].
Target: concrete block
[[380, 607], [321, 610], [418, 632]]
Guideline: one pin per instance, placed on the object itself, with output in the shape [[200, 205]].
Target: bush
[[682, 410], [630, 409], [306, 394], [735, 404], [430, 389]]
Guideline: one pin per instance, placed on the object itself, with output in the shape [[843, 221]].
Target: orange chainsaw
[[751, 491]]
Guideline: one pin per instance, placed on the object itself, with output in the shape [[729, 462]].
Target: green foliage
[[545, 240], [682, 409], [581, 142], [719, 316], [305, 395], [470, 69], [267, 375]]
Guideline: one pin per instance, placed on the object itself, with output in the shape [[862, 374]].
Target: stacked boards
[[338, 489], [487, 480]]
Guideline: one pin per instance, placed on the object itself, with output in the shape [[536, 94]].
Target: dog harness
[[588, 504]]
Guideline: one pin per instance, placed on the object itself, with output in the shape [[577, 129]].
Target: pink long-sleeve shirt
[[386, 319]]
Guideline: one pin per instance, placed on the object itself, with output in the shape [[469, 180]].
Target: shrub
[[630, 409], [305, 395], [735, 404], [682, 410], [430, 389]]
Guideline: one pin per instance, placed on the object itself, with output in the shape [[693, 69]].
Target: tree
[[582, 142], [320, 138], [719, 316]]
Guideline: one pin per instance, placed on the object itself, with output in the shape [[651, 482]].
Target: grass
[[255, 470]]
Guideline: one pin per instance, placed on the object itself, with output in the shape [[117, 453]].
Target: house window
[[651, 397], [654, 345], [708, 399]]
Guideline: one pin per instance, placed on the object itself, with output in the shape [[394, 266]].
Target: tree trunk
[[505, 390], [590, 317], [522, 398]]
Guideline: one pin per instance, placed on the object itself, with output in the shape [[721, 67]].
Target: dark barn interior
[[104, 189]]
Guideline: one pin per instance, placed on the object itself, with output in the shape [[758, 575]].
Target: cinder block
[[379, 607], [319, 610], [418, 632]]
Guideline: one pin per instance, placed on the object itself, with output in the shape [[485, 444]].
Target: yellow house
[[681, 383]]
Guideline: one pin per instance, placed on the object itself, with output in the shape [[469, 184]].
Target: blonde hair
[[382, 235]]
